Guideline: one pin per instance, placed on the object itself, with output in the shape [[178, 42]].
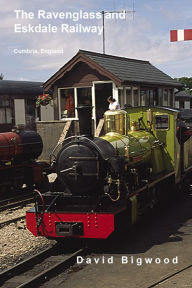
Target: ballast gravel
[[13, 213], [16, 242]]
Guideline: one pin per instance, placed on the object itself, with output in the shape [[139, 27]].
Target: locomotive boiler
[[18, 151], [103, 182]]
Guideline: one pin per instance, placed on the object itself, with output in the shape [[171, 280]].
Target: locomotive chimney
[[85, 120]]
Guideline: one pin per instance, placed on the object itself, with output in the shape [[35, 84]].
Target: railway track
[[39, 268], [169, 277], [14, 202], [13, 220]]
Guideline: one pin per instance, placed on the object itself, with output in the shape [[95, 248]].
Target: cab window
[[161, 122]]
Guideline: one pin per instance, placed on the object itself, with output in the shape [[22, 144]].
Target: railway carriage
[[105, 181]]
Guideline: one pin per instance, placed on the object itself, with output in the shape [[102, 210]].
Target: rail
[[14, 202], [33, 271], [169, 277], [13, 220]]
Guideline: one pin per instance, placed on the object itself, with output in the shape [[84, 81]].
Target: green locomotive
[[157, 149], [145, 153]]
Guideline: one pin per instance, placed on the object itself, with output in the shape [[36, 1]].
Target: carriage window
[[161, 122]]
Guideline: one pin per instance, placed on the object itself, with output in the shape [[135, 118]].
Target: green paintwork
[[167, 137], [158, 148]]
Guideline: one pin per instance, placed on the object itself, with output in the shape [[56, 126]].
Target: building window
[[84, 96], [149, 97], [171, 97], [5, 116], [128, 97], [187, 104], [146, 97], [160, 96], [67, 103], [70, 98], [5, 112], [151, 100], [177, 104], [181, 105], [165, 97], [30, 110], [143, 97], [155, 97], [4, 102], [121, 97], [136, 96]]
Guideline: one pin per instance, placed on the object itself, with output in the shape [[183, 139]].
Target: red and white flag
[[181, 35]]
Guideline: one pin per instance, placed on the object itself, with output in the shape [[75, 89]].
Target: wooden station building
[[91, 77]]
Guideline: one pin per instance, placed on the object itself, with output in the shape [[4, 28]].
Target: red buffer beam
[[181, 35]]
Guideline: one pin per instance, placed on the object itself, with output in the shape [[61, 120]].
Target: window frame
[[4, 107], [75, 100], [162, 129]]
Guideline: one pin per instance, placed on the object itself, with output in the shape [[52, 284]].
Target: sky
[[142, 35]]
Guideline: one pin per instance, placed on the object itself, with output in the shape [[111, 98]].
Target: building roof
[[10, 87], [118, 69], [182, 95], [132, 70]]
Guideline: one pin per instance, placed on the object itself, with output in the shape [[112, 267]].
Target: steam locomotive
[[18, 151], [104, 181]]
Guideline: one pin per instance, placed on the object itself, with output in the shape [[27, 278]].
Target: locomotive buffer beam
[[69, 228]]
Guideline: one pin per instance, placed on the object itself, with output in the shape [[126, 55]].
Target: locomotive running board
[[151, 184]]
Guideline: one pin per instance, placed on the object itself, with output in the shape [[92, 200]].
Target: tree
[[1, 76]]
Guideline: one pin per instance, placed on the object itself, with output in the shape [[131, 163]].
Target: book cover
[[58, 55]]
